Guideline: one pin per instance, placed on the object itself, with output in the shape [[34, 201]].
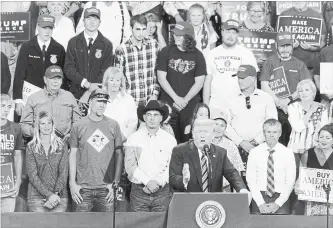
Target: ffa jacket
[[79, 64], [5, 74], [31, 67]]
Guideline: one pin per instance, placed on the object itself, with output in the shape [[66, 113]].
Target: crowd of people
[[109, 92]]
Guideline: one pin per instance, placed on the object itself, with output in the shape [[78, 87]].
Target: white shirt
[[87, 37], [63, 31], [284, 172], [246, 124], [147, 157], [123, 110], [41, 43], [111, 22], [222, 63]]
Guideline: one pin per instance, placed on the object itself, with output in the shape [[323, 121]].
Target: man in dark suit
[[189, 171]]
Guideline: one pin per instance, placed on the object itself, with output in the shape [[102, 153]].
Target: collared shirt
[[284, 172], [246, 124], [147, 156], [87, 37], [41, 43], [139, 68], [62, 106], [123, 109]]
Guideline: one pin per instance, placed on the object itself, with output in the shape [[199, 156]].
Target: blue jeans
[[8, 204], [94, 199], [155, 202], [37, 205]]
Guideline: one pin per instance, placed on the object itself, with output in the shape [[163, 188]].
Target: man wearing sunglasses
[[248, 111]]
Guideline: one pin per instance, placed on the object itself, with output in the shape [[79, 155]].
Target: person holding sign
[[319, 157], [34, 58], [279, 77], [11, 157], [47, 168], [255, 20], [306, 118], [305, 23], [271, 172], [59, 103]]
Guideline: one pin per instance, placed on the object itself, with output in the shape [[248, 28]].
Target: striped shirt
[[139, 64]]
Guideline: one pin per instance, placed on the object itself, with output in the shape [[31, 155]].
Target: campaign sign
[[234, 10], [303, 28], [260, 43], [15, 26], [326, 78], [311, 184], [7, 178], [278, 83], [283, 6], [28, 89]]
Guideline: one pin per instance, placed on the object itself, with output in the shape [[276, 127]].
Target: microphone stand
[[327, 189]]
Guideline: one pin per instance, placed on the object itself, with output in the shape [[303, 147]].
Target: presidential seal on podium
[[210, 214]]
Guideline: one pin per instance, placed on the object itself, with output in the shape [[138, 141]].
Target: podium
[[208, 210]]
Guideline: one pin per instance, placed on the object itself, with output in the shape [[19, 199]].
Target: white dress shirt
[[246, 124], [284, 172], [123, 110], [111, 22], [41, 43], [147, 157]]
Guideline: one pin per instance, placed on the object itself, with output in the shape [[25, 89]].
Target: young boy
[[11, 157]]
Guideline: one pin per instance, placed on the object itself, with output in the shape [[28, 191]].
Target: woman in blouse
[[256, 15], [318, 157], [221, 140], [154, 29], [205, 35], [306, 117], [121, 106], [201, 111], [47, 168]]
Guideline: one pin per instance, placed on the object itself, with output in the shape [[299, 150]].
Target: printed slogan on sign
[[234, 10], [7, 178], [311, 184], [15, 26], [283, 6], [260, 43], [278, 83], [303, 28]]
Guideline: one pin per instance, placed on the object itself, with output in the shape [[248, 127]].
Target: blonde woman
[[205, 35], [121, 106], [306, 117], [47, 168]]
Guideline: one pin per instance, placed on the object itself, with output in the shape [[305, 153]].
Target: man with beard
[[222, 62], [279, 77], [181, 72], [95, 141], [137, 56]]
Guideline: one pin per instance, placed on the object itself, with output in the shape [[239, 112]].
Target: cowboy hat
[[153, 105]]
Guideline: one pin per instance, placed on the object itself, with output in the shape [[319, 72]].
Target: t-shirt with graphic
[[95, 141], [222, 63], [294, 69], [308, 57], [182, 68], [11, 140]]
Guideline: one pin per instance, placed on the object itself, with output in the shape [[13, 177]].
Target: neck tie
[[90, 44], [204, 171], [270, 173], [44, 52]]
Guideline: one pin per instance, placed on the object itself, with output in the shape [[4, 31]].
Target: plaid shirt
[[139, 68]]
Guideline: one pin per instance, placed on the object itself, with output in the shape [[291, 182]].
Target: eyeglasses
[[247, 100]]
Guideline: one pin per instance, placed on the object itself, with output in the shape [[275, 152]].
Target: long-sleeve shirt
[[62, 106], [47, 174], [139, 68], [123, 110], [147, 157], [284, 172], [246, 124], [115, 23]]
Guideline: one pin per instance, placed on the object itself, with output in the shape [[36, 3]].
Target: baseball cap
[[284, 38], [245, 71], [100, 94], [217, 113], [182, 28], [231, 24], [92, 11], [46, 21], [53, 71]]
